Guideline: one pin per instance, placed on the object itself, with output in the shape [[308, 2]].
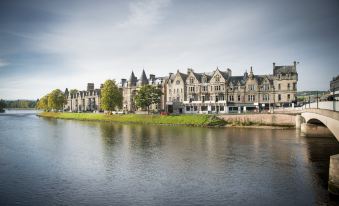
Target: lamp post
[[317, 100]]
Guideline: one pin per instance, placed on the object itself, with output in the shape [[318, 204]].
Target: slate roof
[[143, 78], [284, 70]]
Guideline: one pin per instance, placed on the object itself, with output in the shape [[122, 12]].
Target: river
[[64, 162]]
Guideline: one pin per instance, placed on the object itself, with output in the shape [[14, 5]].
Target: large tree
[[148, 95], [111, 96], [42, 103], [56, 99]]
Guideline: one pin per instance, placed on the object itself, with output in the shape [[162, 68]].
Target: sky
[[46, 45]]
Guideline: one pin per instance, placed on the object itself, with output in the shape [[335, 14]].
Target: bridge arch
[[323, 118]]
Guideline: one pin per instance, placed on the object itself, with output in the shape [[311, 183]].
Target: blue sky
[[57, 44]]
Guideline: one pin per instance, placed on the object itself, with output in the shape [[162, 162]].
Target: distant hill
[[311, 93]]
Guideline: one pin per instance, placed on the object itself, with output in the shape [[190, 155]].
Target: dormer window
[[204, 79]]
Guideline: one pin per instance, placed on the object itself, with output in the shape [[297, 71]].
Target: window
[[191, 89], [204, 79], [221, 97], [251, 98], [288, 96], [288, 86], [251, 87], [231, 98], [266, 87], [238, 98], [177, 82], [191, 80], [217, 88], [279, 87], [204, 88], [279, 97], [217, 78], [294, 86], [266, 97]]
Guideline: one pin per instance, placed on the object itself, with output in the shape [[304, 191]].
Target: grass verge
[[189, 120]]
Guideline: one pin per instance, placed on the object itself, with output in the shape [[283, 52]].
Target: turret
[[143, 79]]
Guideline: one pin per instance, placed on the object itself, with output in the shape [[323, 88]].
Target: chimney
[[123, 81], [229, 71], [295, 64], [189, 70], [152, 77], [90, 86]]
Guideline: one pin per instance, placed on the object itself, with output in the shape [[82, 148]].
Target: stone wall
[[262, 119]]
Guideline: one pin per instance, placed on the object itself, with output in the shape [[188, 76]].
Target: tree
[[148, 95], [42, 103], [2, 105], [111, 96], [56, 99]]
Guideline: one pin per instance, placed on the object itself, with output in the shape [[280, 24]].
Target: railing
[[329, 105]]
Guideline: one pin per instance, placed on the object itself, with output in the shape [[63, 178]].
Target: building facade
[[83, 101], [220, 92], [131, 87], [334, 87], [211, 92]]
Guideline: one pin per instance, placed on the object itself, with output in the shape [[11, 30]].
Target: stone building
[[334, 87], [220, 92], [83, 101], [131, 87], [212, 92]]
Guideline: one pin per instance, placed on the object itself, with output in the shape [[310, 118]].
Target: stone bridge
[[320, 122], [317, 121]]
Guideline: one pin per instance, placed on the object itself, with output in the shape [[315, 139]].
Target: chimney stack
[[90, 86]]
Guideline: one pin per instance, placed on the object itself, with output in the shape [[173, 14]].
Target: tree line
[[111, 98], [20, 104]]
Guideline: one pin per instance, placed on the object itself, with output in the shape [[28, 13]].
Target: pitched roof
[[132, 79], [143, 78]]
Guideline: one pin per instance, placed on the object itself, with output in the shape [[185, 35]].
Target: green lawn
[[190, 120]]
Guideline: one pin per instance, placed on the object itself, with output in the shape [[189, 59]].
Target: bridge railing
[[329, 105]]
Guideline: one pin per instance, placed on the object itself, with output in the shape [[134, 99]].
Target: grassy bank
[[189, 120]]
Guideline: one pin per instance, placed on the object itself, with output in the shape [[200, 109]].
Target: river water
[[64, 162]]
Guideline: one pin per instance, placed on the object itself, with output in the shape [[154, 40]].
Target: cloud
[[145, 13], [3, 63]]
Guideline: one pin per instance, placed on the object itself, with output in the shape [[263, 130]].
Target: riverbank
[[186, 120]]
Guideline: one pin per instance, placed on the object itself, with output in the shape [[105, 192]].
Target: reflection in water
[[70, 162]]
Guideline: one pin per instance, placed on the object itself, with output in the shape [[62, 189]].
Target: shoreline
[[210, 121]]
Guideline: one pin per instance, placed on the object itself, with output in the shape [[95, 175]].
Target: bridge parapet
[[325, 112]]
